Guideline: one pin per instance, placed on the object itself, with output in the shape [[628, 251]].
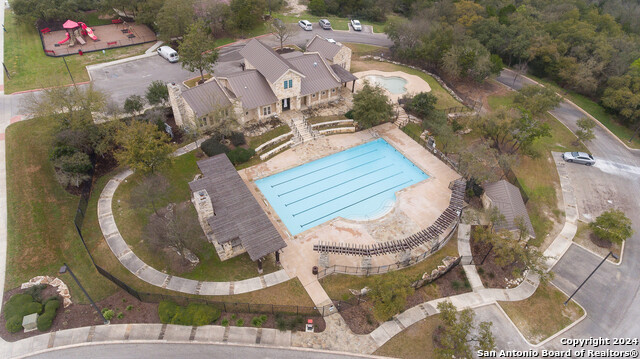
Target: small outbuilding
[[507, 198]]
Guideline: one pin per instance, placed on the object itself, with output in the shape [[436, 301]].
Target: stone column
[[405, 258], [366, 264]]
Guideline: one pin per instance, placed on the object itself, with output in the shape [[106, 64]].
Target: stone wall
[[292, 92], [343, 58], [182, 112]]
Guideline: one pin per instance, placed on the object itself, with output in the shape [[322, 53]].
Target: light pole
[[576, 291], [66, 268]]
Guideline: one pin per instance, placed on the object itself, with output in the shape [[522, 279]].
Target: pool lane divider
[[353, 204], [337, 185], [352, 191], [331, 176], [323, 168]]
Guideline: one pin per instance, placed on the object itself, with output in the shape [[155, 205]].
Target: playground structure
[[76, 37], [76, 31]]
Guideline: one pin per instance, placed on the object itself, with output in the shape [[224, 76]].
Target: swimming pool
[[358, 184], [393, 84]]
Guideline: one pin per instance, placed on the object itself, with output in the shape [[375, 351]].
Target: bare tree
[[176, 227], [283, 31], [149, 190]]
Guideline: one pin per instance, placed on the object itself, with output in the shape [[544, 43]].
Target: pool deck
[[414, 85], [416, 207]]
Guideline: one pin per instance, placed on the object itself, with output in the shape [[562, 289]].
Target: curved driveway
[[610, 297]]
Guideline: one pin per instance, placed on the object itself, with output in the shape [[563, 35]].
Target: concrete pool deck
[[414, 84], [416, 207]]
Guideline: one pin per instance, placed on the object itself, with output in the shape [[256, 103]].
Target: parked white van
[[305, 25], [168, 53]]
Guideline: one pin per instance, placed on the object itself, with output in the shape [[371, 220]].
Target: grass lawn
[[543, 314], [30, 68], [445, 100], [321, 119], [337, 285], [597, 111], [415, 342], [131, 220], [256, 141], [41, 235]]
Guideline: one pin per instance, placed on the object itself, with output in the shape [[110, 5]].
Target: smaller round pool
[[393, 84]]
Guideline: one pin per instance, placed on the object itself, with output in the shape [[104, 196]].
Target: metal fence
[[451, 163], [366, 271]]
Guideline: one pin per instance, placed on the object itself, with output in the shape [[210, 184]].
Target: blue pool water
[[394, 84], [359, 183]]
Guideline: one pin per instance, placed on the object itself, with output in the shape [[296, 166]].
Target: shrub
[[349, 114], [237, 138], [107, 313], [240, 322], [194, 314], [45, 320], [36, 292], [213, 147], [258, 321], [120, 315], [129, 307], [281, 324], [16, 308], [240, 155], [233, 317], [225, 322]]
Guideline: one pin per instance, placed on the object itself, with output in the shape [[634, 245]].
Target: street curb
[[111, 342], [47, 88], [601, 257]]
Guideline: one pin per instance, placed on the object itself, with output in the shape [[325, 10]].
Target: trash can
[[314, 270]]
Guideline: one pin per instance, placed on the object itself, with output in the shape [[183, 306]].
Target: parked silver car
[[325, 24], [579, 157], [355, 24]]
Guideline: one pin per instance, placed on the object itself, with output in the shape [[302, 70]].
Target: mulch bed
[[83, 315], [492, 275], [360, 318]]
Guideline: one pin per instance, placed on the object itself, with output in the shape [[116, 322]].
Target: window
[[323, 92], [266, 110], [314, 95], [286, 84], [333, 90], [290, 83]]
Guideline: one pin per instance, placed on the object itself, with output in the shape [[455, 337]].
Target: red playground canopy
[[70, 24]]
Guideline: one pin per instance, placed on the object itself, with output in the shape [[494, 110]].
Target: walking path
[[152, 276]]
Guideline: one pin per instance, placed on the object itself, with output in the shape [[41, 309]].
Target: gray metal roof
[[237, 212], [325, 48], [252, 89], [268, 62], [204, 99], [509, 201], [343, 74], [318, 76]]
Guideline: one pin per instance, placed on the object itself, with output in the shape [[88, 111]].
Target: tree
[[177, 229], [478, 164], [537, 99], [144, 147], [283, 31], [149, 190], [29, 11], [371, 106], [157, 93], [389, 295], [133, 104], [422, 104], [174, 18], [612, 226], [222, 122], [317, 7], [453, 342], [585, 129], [246, 14], [198, 50]]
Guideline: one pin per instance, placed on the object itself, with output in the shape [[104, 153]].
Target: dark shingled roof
[[268, 62], [237, 213], [509, 201], [204, 98], [252, 89], [318, 76], [326, 49], [343, 74]]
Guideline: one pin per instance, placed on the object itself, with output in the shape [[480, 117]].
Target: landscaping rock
[[62, 288]]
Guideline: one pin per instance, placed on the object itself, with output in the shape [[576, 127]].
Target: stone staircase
[[302, 130], [403, 118]]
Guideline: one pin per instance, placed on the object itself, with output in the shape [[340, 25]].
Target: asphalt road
[[190, 350], [610, 297]]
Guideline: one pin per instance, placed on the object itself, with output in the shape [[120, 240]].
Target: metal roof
[[343, 74], [507, 198], [251, 88], [237, 212], [321, 45], [268, 62], [318, 76], [204, 99]]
